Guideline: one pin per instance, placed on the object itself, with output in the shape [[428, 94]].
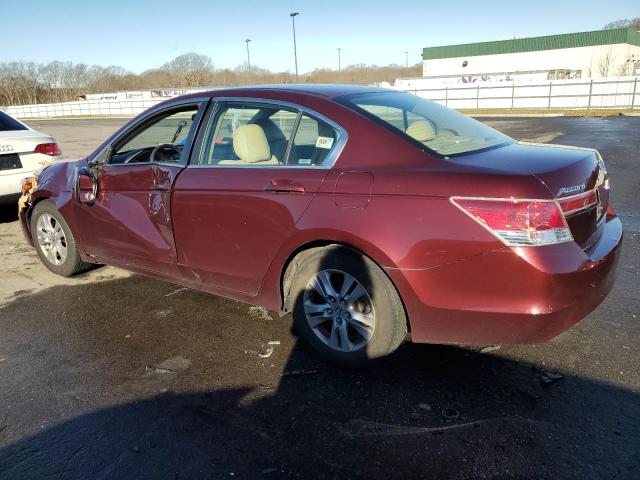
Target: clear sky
[[138, 34]]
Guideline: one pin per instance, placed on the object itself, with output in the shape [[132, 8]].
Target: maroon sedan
[[367, 213]]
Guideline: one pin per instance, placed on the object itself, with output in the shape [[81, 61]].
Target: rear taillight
[[576, 203], [51, 149], [518, 223]]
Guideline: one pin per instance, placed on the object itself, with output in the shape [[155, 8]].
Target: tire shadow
[[78, 403]]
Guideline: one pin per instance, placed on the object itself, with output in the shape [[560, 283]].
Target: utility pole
[[406, 59], [339, 65], [295, 51], [248, 57]]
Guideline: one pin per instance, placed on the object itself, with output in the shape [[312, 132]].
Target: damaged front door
[[129, 223]]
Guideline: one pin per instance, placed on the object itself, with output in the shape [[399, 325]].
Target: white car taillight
[[518, 223], [52, 149]]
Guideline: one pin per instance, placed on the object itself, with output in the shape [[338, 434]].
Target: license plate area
[[10, 162]]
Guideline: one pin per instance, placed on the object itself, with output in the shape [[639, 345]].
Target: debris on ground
[[293, 373], [171, 365], [266, 352], [490, 348], [176, 291], [265, 388], [3, 359], [260, 313], [156, 370], [449, 413], [424, 406], [547, 377], [135, 449]]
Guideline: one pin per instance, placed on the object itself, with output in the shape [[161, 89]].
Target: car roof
[[322, 90]]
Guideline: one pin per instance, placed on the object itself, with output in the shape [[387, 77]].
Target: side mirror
[[85, 186]]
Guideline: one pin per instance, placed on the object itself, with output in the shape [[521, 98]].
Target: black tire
[[72, 264], [390, 325]]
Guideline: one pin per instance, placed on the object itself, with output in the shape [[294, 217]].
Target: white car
[[22, 152]]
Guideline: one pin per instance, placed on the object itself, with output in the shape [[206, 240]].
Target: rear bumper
[[512, 295], [10, 183]]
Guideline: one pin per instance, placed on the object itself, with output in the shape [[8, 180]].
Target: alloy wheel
[[339, 310], [51, 239]]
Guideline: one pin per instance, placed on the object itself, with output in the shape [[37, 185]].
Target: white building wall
[[589, 60]]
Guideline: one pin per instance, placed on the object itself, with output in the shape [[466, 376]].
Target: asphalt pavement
[[113, 375]]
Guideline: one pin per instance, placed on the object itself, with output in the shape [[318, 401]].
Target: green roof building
[[601, 53]]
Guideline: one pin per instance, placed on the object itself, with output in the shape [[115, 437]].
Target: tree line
[[23, 83]]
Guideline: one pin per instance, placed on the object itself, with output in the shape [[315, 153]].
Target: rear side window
[[265, 135], [313, 142], [8, 124], [248, 135]]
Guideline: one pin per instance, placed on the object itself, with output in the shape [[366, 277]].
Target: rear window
[[7, 123], [439, 129]]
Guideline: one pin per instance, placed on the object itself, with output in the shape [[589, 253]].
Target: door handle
[[284, 186]]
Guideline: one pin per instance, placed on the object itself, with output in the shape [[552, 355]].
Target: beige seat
[[422, 131], [251, 146]]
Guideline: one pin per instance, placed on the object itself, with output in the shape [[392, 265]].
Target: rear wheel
[[54, 241], [346, 307]]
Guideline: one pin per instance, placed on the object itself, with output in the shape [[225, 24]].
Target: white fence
[[620, 93], [109, 108]]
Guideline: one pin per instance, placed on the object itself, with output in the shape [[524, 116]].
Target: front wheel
[[346, 307], [54, 241]]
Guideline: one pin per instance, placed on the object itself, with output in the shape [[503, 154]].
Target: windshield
[[438, 128], [7, 123]]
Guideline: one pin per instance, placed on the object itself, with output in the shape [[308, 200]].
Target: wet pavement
[[111, 375]]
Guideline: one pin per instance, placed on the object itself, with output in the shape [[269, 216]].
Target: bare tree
[[606, 62], [26, 82], [623, 23], [190, 70]]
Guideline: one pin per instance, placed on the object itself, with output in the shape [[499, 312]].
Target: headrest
[[250, 144], [421, 130]]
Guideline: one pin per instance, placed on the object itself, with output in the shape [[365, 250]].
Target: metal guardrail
[[514, 90]]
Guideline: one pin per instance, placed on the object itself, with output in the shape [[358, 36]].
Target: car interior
[[263, 139], [161, 142], [242, 136]]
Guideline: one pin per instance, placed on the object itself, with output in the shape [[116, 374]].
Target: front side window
[[263, 135], [161, 141], [439, 129]]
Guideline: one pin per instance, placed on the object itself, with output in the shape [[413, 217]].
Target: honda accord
[[367, 213]]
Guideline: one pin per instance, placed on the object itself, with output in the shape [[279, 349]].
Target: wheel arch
[[28, 212], [294, 259]]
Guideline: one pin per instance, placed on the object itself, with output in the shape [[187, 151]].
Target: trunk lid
[[21, 141]]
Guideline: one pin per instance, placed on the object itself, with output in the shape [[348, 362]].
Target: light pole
[[339, 66], [248, 58], [295, 51], [406, 59]]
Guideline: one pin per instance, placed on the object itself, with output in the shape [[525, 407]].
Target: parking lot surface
[[112, 375]]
